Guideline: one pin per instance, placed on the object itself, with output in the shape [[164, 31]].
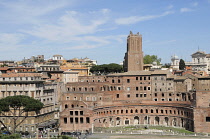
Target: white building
[[57, 57], [70, 76], [88, 60], [175, 62], [200, 62]]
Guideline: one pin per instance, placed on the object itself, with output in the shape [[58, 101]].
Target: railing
[[195, 63]]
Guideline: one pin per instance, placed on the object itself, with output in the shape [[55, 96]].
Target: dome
[[154, 63], [174, 57]]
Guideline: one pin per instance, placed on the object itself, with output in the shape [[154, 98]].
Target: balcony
[[196, 64]]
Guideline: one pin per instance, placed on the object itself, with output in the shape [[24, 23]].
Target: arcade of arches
[[144, 115]]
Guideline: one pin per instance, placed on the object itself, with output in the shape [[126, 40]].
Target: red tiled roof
[[3, 68], [20, 74]]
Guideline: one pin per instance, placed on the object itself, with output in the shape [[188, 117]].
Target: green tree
[[106, 68], [114, 68], [149, 59], [181, 64], [13, 136], [18, 108], [4, 65], [167, 65]]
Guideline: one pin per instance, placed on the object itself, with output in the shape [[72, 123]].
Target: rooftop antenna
[[198, 48]]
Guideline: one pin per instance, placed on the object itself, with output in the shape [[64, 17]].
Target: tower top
[[133, 60], [131, 34]]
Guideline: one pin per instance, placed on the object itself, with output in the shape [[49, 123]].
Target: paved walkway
[[132, 136]]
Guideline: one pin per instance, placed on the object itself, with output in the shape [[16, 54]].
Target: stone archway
[[174, 122], [182, 122], [146, 120], [136, 120], [118, 121], [127, 122], [157, 120], [111, 122], [187, 124], [166, 121]]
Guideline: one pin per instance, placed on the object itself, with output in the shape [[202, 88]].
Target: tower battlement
[[133, 60]]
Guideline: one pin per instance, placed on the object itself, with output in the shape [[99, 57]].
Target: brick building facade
[[137, 97]]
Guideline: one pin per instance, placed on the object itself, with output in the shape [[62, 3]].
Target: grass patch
[[173, 129], [141, 128]]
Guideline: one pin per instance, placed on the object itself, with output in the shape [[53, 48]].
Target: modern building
[[53, 71], [32, 85], [70, 76]]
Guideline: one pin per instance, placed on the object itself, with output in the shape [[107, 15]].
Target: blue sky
[[98, 29]]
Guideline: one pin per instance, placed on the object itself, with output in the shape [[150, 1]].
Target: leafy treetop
[[18, 106], [106, 68], [25, 102], [149, 59], [181, 64]]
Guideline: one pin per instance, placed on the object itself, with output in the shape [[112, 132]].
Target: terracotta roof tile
[[3, 68], [21, 75], [131, 73], [160, 72]]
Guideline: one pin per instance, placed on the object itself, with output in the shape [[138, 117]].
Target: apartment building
[[32, 85]]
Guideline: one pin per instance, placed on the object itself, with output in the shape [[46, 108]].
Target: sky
[[98, 29]]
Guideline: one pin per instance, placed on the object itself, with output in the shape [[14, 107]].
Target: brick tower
[[133, 60]]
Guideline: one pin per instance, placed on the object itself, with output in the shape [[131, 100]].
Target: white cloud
[[34, 8], [182, 10], [11, 46], [101, 11], [96, 39], [10, 41], [89, 42], [164, 42], [23, 12], [84, 46], [170, 7], [77, 27], [195, 4], [105, 11], [68, 27], [136, 19]]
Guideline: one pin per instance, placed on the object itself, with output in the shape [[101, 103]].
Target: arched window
[[141, 111], [136, 111]]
